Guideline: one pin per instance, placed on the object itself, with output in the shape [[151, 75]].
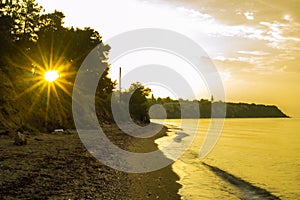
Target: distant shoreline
[[287, 117], [207, 109]]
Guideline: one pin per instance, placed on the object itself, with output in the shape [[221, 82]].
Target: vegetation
[[32, 43], [138, 104], [233, 110]]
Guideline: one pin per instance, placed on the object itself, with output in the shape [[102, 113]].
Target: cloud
[[249, 15], [254, 53], [257, 34]]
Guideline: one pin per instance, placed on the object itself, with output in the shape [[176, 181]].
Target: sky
[[255, 45]]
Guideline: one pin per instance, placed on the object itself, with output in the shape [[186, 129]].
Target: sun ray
[[65, 82], [29, 89], [30, 79], [50, 65], [48, 56], [33, 63], [59, 61], [61, 110], [44, 59], [62, 87], [36, 99], [48, 102]]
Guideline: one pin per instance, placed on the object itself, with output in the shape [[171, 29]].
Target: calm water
[[253, 159]]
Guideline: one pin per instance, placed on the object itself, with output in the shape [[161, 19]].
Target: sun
[[51, 75]]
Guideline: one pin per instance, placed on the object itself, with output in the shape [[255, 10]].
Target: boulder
[[70, 131], [20, 139], [4, 133]]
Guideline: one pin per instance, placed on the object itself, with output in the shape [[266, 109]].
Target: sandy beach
[[57, 166]]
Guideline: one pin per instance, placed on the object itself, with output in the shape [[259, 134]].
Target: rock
[[59, 130], [4, 132], [64, 132], [20, 139], [70, 132]]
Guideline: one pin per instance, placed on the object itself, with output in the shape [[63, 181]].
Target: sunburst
[[49, 76]]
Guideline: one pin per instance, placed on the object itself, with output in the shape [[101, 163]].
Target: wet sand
[[57, 166], [160, 184]]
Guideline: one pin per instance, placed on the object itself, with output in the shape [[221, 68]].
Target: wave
[[247, 191]]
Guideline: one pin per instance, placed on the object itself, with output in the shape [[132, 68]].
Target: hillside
[[244, 110], [28, 51], [233, 110]]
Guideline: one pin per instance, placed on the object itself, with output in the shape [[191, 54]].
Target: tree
[[51, 21], [29, 38], [25, 17], [138, 104]]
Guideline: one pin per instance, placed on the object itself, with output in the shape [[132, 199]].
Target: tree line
[[174, 108], [32, 42]]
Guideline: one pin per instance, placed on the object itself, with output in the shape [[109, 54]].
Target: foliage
[[138, 102], [136, 98], [32, 40], [233, 110]]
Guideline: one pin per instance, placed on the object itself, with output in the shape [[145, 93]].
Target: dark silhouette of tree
[[29, 40], [25, 17], [138, 105], [52, 21], [233, 110]]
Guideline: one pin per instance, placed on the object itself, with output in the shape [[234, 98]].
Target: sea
[[254, 158]]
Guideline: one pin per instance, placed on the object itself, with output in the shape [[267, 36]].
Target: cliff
[[233, 110]]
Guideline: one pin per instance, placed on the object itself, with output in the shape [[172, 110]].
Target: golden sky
[[254, 44]]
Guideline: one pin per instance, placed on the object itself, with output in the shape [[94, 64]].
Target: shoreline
[[160, 184], [58, 166]]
